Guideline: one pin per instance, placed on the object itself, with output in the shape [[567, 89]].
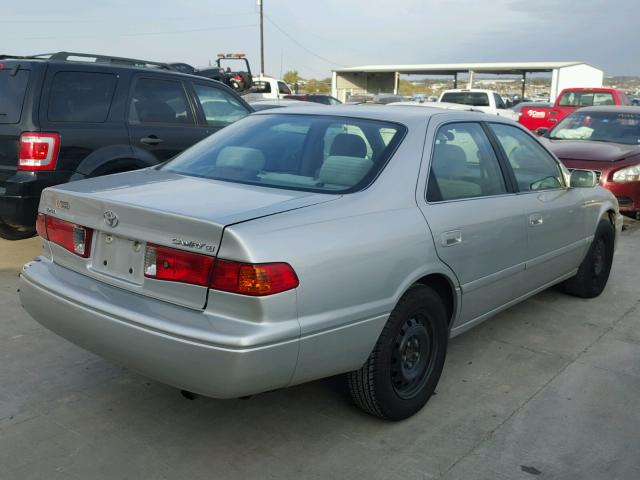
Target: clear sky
[[314, 37]]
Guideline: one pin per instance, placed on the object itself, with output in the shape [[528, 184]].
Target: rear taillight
[[73, 237], [170, 264], [163, 263], [38, 151], [253, 279]]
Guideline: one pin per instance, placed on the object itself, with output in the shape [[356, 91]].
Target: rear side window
[[13, 86], [161, 101], [81, 96], [463, 165], [533, 166]]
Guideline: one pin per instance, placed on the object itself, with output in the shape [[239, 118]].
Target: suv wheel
[[9, 232], [594, 270], [403, 370]]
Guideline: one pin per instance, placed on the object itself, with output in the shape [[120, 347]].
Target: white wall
[[575, 76]]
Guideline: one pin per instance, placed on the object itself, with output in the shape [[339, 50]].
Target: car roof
[[373, 112], [611, 109], [444, 105]]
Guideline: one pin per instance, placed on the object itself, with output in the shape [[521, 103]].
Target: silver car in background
[[301, 243]]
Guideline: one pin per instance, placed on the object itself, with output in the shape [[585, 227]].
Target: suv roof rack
[[88, 57]]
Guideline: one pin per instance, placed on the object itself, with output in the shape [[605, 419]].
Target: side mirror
[[583, 179], [541, 131]]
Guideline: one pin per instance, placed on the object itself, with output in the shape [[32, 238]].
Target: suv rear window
[[13, 86], [297, 152], [81, 97]]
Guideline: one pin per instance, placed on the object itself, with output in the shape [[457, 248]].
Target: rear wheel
[[594, 270], [403, 370], [10, 232]]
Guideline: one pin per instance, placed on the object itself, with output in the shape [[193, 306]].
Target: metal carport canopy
[[369, 78], [451, 68]]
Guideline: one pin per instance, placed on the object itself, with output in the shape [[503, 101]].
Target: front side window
[[81, 96], [283, 88], [499, 102], [220, 108], [159, 101], [463, 165], [533, 166], [300, 152]]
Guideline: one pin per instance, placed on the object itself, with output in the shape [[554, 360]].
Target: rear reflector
[[73, 237], [170, 264], [38, 151], [164, 263]]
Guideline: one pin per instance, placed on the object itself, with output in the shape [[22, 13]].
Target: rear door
[[555, 214], [161, 116], [474, 215]]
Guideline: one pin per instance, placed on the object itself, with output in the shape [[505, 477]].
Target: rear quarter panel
[[353, 263]]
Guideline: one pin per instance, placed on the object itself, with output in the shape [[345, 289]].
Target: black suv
[[68, 116]]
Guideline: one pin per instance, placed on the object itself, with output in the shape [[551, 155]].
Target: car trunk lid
[[128, 211]]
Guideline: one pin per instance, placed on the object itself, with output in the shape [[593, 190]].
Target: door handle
[[535, 220], [451, 238], [151, 140]]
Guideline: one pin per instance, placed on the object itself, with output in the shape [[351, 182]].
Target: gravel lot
[[547, 389]]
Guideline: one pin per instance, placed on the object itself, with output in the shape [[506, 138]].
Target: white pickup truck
[[266, 88], [486, 101]]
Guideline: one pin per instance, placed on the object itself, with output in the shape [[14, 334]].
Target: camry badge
[[111, 218]]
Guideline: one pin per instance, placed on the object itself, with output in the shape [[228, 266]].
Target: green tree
[[291, 77], [318, 86]]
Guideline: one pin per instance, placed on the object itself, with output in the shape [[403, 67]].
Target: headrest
[[448, 159], [348, 145], [344, 171], [241, 157]]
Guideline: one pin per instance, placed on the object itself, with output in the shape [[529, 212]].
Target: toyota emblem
[[111, 218]]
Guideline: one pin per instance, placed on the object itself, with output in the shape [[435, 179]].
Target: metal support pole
[[455, 80], [260, 2], [524, 83]]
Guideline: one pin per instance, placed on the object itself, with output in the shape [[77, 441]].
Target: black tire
[[9, 232], [403, 370], [594, 270]]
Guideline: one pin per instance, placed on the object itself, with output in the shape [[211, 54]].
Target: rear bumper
[[119, 325], [20, 195]]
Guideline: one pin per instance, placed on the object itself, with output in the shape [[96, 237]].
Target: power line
[[140, 34], [300, 45]]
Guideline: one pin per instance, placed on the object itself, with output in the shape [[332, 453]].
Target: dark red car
[[607, 140]]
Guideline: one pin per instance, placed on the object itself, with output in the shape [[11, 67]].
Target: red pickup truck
[[569, 100]]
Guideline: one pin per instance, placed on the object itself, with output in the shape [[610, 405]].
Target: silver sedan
[[301, 243]]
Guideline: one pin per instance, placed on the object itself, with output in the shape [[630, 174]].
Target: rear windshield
[[476, 99], [13, 86], [585, 99], [299, 152]]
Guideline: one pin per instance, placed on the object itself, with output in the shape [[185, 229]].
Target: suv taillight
[[73, 237], [260, 279], [38, 151]]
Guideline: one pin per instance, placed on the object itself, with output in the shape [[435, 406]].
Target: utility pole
[[260, 2]]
